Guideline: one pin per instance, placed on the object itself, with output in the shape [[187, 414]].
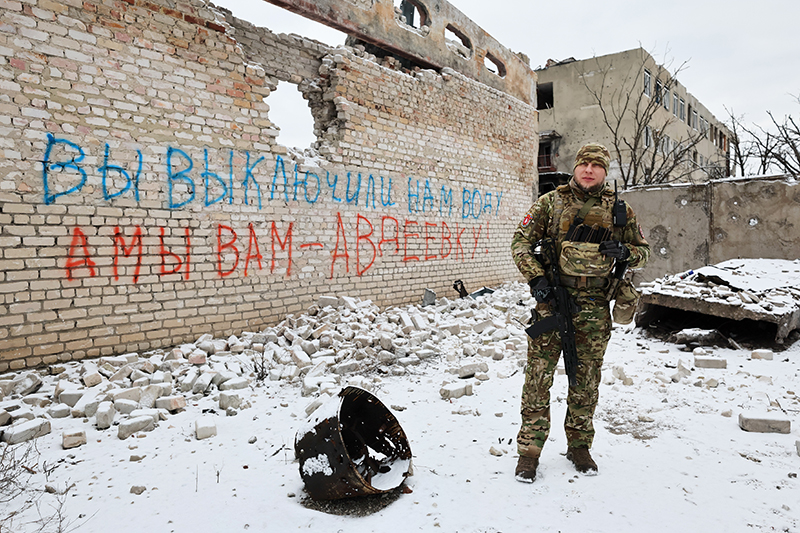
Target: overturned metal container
[[352, 445]]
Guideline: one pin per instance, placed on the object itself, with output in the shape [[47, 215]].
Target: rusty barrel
[[352, 445]]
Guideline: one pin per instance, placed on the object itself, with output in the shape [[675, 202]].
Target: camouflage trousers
[[592, 332]]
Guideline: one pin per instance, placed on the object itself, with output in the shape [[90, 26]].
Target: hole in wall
[[494, 65], [411, 13], [290, 112], [457, 42]]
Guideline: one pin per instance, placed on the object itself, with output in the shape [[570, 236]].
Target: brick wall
[[145, 201]]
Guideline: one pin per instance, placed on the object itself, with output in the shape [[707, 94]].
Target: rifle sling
[[584, 210]]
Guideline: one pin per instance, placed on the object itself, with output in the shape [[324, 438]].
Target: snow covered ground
[[671, 454]]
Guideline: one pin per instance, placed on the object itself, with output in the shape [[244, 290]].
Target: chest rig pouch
[[579, 256]]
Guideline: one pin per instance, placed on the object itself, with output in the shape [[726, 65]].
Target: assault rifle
[[563, 307]]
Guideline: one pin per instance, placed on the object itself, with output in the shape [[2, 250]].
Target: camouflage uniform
[[592, 323]]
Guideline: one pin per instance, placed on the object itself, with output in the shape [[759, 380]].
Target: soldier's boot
[[526, 469], [582, 460]]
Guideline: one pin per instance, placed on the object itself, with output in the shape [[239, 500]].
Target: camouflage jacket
[[538, 223]]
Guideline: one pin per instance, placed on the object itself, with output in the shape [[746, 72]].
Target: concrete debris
[[762, 354], [452, 391], [703, 361], [73, 439], [738, 289], [765, 422], [339, 341], [204, 428], [27, 430]]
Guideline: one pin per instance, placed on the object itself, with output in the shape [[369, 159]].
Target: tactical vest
[[578, 240]]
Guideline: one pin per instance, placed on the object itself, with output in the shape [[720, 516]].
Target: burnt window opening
[[544, 95], [291, 115], [457, 42], [494, 65], [411, 13]]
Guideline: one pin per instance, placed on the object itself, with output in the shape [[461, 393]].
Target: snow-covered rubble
[[760, 285], [757, 289], [339, 341], [699, 436]]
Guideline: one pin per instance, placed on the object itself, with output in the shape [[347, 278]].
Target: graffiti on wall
[[461, 231]]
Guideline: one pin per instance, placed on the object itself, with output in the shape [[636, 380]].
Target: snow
[[394, 477], [671, 455], [756, 275], [318, 464]]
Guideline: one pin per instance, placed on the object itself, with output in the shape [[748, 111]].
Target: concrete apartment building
[[673, 122]]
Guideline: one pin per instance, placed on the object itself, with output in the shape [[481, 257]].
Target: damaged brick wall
[[145, 200]]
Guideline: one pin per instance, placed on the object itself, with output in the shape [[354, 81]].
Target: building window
[[682, 113], [692, 118], [666, 99], [413, 13], [659, 91], [666, 145], [457, 41], [648, 137], [675, 104], [648, 83], [544, 95], [494, 65]]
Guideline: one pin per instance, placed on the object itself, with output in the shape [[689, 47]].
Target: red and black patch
[[527, 220]]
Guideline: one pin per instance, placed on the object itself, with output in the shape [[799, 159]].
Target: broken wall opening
[[458, 42], [411, 13], [494, 65], [290, 113]]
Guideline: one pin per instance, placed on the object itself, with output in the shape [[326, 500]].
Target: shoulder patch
[[527, 220]]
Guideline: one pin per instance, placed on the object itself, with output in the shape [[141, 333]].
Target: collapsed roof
[[762, 290]]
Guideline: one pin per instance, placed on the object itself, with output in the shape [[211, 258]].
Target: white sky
[[741, 54]]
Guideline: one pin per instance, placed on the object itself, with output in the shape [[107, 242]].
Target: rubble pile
[[710, 289], [339, 341], [763, 290]]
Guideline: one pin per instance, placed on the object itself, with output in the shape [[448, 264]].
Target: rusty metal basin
[[352, 446]]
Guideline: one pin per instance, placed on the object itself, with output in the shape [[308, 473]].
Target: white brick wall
[[96, 100]]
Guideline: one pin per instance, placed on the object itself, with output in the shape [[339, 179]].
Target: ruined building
[[145, 200], [630, 84]]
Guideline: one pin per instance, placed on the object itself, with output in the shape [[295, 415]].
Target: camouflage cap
[[593, 153]]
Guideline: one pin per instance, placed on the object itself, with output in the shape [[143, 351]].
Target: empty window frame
[[648, 83], [413, 13], [457, 42], [544, 95], [659, 91], [494, 65]]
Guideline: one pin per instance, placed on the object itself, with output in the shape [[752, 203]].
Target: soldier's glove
[[540, 288], [615, 249]]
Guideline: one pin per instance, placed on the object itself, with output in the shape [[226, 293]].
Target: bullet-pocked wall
[[145, 201]]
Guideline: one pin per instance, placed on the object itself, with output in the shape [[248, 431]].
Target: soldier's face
[[590, 176]]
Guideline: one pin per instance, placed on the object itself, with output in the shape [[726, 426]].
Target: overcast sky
[[742, 55]]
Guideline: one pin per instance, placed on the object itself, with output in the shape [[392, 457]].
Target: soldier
[[578, 216]]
